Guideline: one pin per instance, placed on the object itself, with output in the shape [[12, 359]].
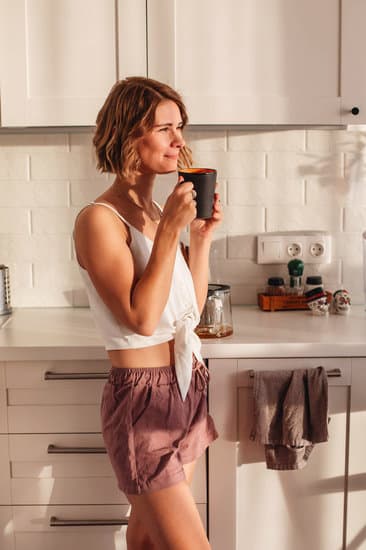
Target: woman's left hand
[[205, 228]]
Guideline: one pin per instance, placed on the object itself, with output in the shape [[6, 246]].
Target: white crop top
[[178, 320]]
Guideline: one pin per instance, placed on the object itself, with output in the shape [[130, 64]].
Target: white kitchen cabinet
[[260, 62], [38, 527], [356, 516], [7, 541], [60, 59], [253, 507], [53, 462], [353, 73]]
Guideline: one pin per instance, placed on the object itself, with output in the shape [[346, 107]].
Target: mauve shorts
[[149, 432]]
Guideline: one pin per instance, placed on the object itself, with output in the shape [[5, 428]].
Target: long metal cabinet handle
[[55, 450], [56, 522], [331, 373], [49, 375]]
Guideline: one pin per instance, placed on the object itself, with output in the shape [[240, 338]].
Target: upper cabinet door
[[353, 75], [249, 61], [60, 58]]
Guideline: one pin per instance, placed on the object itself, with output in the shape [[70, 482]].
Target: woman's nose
[[178, 140]]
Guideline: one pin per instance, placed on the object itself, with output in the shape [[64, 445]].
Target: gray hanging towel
[[290, 415]]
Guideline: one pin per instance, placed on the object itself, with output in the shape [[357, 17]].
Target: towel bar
[[331, 373]]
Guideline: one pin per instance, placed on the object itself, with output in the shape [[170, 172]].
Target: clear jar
[[275, 286]]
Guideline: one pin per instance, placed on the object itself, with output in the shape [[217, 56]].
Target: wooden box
[[287, 301]]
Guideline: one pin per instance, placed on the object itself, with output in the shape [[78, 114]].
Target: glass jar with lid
[[313, 281], [275, 286]]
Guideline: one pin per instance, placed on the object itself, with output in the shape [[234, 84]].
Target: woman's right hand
[[180, 207]]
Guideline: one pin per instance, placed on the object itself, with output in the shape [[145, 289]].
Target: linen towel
[[290, 415]]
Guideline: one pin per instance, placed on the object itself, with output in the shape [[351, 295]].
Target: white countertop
[[69, 333]]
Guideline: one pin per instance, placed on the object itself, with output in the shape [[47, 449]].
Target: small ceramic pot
[[319, 306], [341, 302]]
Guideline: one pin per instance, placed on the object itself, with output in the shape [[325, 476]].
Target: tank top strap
[[113, 210]]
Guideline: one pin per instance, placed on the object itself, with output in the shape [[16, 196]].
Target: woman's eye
[[163, 129]]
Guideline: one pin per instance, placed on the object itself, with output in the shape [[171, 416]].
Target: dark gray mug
[[204, 183]]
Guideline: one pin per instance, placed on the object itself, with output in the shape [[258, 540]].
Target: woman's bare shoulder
[[96, 218]]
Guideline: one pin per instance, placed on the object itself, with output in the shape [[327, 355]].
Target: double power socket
[[312, 247]]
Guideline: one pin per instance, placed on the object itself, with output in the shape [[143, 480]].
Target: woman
[[146, 302]]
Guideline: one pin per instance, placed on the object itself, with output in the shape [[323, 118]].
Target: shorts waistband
[[165, 374], [154, 375]]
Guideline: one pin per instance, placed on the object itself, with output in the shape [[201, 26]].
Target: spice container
[[295, 269], [313, 281], [275, 286]]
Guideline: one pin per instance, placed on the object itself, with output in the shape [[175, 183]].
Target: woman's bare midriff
[[160, 355]]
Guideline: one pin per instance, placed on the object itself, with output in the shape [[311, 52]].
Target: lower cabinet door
[[59, 527], [71, 469], [6, 528], [262, 509]]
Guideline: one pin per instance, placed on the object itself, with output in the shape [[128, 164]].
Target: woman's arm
[[101, 242], [199, 249]]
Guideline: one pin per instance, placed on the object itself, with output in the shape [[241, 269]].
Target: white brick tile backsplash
[[265, 192], [304, 165], [82, 141], [13, 166], [211, 140], [82, 192], [239, 220], [284, 179], [57, 275], [295, 218], [28, 194], [14, 220], [42, 297], [355, 219], [278, 140], [73, 165], [46, 221], [20, 275], [323, 141], [347, 246], [34, 142], [353, 281], [20, 248], [331, 192], [242, 246], [79, 297], [233, 164]]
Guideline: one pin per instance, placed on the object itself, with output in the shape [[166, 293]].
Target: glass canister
[[275, 286], [216, 317]]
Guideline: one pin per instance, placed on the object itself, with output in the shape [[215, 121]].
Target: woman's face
[[159, 148]]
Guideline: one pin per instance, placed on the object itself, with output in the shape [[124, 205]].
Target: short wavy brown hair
[[127, 113]]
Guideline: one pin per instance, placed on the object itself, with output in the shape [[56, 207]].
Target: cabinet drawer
[[339, 368], [71, 475], [33, 531], [6, 528], [32, 374], [53, 419]]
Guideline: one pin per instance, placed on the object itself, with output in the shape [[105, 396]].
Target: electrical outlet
[[312, 247]]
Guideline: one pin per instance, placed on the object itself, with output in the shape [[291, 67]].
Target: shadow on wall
[[346, 156]]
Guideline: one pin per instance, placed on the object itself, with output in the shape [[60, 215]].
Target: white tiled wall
[[269, 181]]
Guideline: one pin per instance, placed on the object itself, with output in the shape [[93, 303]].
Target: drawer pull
[[49, 375], [331, 373], [56, 450], [56, 522]]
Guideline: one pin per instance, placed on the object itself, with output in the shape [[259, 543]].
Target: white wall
[[269, 181]]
